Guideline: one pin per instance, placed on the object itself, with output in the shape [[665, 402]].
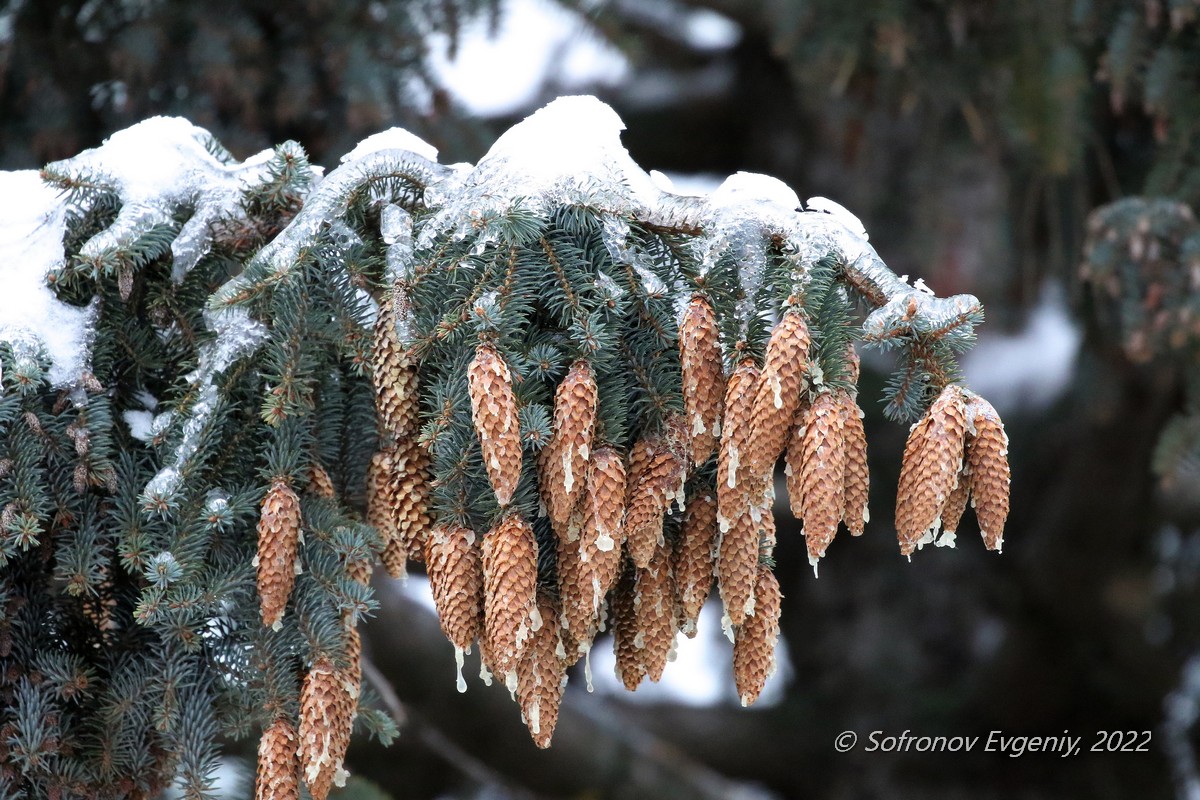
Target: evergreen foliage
[[130, 641]]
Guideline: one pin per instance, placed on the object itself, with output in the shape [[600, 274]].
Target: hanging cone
[[408, 493], [455, 569], [578, 618], [319, 482], [325, 722], [278, 776], [754, 649], [737, 552], [494, 411], [823, 473], [542, 676], [654, 612], [379, 499], [956, 503], [639, 458], [509, 585], [987, 460], [703, 377], [932, 460], [630, 668], [395, 377], [857, 484], [777, 394], [695, 559], [606, 494], [278, 556], [359, 570], [567, 453], [659, 484]]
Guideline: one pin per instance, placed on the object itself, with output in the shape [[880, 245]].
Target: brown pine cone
[[858, 477], [703, 377], [319, 482], [695, 559], [564, 472], [654, 611], [278, 776], [778, 392], [754, 648], [987, 460], [660, 483], [278, 557], [408, 492], [397, 401], [932, 460], [630, 668], [325, 722], [379, 500], [509, 586], [494, 411], [736, 430], [606, 493], [455, 569], [542, 676], [823, 472], [956, 503], [576, 594]]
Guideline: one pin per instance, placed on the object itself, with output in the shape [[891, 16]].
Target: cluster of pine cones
[[314, 749], [615, 567]]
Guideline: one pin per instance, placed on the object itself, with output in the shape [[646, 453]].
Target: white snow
[[140, 424], [839, 212], [156, 167], [535, 42], [1030, 369], [392, 139], [32, 226]]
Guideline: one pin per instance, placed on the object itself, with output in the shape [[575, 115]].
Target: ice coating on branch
[[567, 152], [325, 205], [32, 319], [392, 139], [159, 167], [839, 212], [237, 336]]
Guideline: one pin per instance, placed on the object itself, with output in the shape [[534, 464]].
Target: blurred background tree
[[974, 139]]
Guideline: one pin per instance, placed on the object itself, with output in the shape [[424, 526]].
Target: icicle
[[461, 683], [485, 674], [814, 562], [587, 670], [727, 625]]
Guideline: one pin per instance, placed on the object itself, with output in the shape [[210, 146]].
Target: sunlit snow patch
[[32, 226]]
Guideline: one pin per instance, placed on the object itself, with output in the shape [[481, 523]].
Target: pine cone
[[395, 376], [630, 668], [509, 585], [987, 460], [737, 490], [956, 503], [695, 559], [494, 411], [359, 570], [823, 472], [325, 722], [278, 555], [703, 377], [778, 392], [640, 455], [654, 612], [754, 648], [606, 494], [319, 482], [660, 483], [455, 570], [278, 775], [735, 437], [379, 500], [542, 676], [858, 477], [575, 591], [407, 492], [932, 460], [566, 454]]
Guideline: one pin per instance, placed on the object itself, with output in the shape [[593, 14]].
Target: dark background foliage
[[974, 139]]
